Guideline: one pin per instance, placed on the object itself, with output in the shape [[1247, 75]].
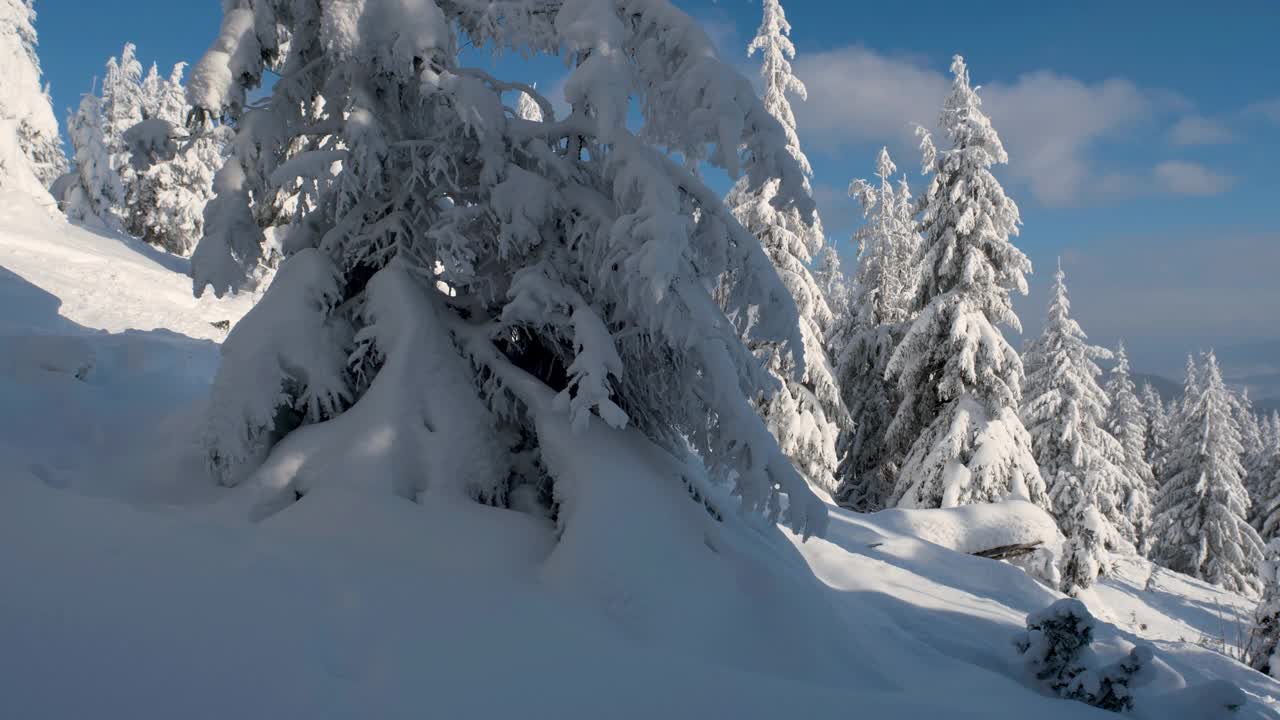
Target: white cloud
[[1051, 124], [1198, 130], [1186, 178], [1269, 109]]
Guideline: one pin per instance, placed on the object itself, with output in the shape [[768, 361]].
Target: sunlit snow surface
[[134, 588]]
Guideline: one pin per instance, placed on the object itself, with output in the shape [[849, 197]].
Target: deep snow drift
[[136, 588]]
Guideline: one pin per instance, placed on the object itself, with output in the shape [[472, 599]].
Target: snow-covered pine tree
[[168, 197], [152, 91], [1253, 446], [122, 96], [829, 275], [1157, 433], [172, 194], [30, 151], [122, 102], [1200, 526], [471, 287], [91, 192], [1264, 638], [878, 315], [960, 380], [1065, 413], [1264, 514], [1127, 423], [806, 416]]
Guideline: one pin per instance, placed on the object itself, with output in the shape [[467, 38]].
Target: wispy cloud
[[1187, 178], [1052, 124], [1268, 109], [1199, 130]]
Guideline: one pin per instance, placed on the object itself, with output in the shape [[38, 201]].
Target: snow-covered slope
[[134, 588], [104, 356]]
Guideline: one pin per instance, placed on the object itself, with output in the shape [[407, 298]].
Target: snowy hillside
[[136, 588]]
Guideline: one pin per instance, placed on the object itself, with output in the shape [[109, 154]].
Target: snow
[[144, 590]]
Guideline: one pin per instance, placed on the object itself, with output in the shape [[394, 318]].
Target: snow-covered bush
[[463, 286], [1056, 649]]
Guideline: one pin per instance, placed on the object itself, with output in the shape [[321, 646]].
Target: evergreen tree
[[168, 195], [172, 194], [829, 275], [960, 380], [1065, 414], [30, 152], [806, 415], [878, 317], [1265, 492], [1127, 423], [474, 287], [1200, 526], [1254, 446], [1157, 433], [92, 190], [1265, 635], [122, 103]]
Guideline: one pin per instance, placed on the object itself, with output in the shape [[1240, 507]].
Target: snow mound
[[973, 528]]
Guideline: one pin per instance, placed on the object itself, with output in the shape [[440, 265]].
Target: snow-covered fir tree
[[467, 288], [172, 194], [960, 380], [166, 203], [31, 155], [1253, 446], [829, 274], [1200, 526], [1065, 413], [878, 316], [122, 98], [807, 414], [1127, 423], [91, 192], [1156, 443], [1264, 637], [1264, 513]]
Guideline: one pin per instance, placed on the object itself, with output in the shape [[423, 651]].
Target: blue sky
[[1142, 136]]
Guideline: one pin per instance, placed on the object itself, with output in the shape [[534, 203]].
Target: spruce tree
[[807, 414], [1264, 637], [31, 155], [829, 275], [878, 317], [471, 289], [1065, 413], [960, 380], [1200, 526], [168, 195], [1127, 423], [1265, 492], [1157, 433], [92, 191]]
